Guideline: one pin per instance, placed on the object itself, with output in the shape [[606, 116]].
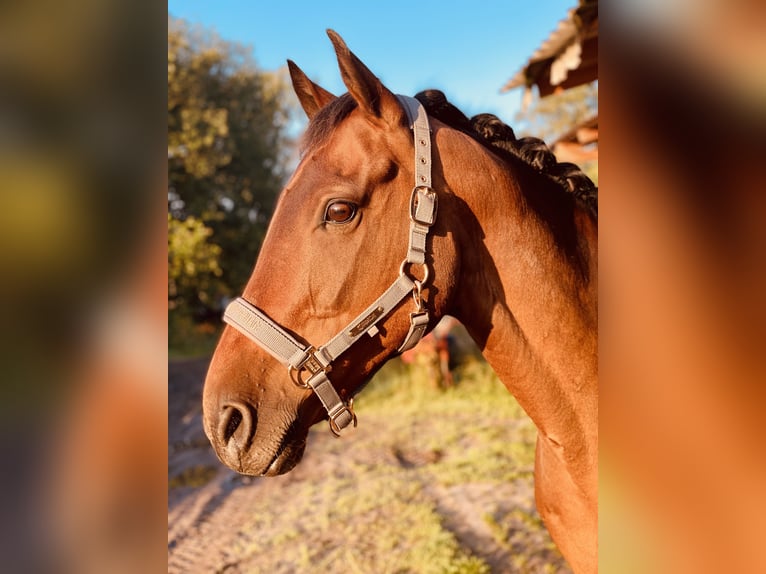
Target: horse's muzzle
[[248, 447]]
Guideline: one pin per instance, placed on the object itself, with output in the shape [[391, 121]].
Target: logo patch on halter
[[366, 322]]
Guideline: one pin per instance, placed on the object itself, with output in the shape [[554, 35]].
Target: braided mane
[[492, 132]]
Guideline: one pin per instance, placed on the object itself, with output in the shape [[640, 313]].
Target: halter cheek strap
[[423, 205], [307, 365]]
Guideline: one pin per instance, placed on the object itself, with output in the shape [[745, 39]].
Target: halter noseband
[[307, 365]]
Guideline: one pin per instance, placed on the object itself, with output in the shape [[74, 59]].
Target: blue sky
[[466, 49]]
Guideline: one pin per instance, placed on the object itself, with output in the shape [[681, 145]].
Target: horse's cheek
[[334, 277]]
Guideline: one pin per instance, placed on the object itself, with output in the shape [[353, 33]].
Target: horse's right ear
[[311, 96], [367, 90]]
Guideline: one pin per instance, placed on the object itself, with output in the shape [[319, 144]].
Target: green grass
[[382, 525], [475, 430]]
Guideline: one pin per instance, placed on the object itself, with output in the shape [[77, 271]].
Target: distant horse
[[432, 355], [495, 233]]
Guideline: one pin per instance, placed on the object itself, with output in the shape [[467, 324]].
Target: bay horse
[[494, 233]]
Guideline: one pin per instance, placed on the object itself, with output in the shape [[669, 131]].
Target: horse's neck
[[531, 305]]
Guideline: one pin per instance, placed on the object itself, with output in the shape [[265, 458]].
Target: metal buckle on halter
[[349, 408], [311, 364], [424, 214]]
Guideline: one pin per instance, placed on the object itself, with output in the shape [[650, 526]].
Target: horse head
[[354, 267]]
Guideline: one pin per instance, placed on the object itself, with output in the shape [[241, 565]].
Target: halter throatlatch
[[307, 365]]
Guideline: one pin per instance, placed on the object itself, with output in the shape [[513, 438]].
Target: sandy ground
[[217, 519]]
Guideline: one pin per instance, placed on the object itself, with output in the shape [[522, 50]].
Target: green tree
[[551, 117], [192, 262], [227, 151]]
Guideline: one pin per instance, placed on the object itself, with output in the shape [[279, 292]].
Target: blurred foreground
[[83, 296], [683, 314]]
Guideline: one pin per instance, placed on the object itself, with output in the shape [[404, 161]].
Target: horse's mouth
[[288, 455], [258, 461]]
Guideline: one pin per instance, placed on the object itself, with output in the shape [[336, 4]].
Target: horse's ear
[[311, 96], [366, 89]]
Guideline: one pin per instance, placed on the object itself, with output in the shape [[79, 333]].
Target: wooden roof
[[580, 144], [568, 58]]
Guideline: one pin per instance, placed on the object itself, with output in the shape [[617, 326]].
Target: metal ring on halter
[[310, 364], [426, 272], [334, 428], [295, 377]]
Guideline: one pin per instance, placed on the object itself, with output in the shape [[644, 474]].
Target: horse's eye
[[339, 211]]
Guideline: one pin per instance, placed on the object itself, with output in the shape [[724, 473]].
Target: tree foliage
[[551, 117], [227, 150], [192, 261]]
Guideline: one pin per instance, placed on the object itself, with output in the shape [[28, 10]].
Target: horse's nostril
[[237, 421], [235, 417]]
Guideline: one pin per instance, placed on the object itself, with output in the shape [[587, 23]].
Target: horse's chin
[[287, 458]]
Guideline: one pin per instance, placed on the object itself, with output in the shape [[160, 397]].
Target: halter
[[307, 365]]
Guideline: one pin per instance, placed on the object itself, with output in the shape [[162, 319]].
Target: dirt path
[[338, 508]]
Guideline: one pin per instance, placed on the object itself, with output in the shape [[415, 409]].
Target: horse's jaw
[[249, 443]]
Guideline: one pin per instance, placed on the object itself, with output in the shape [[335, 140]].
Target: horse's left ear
[[366, 89], [311, 96]]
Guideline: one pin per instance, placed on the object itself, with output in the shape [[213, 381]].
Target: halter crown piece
[[307, 365]]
